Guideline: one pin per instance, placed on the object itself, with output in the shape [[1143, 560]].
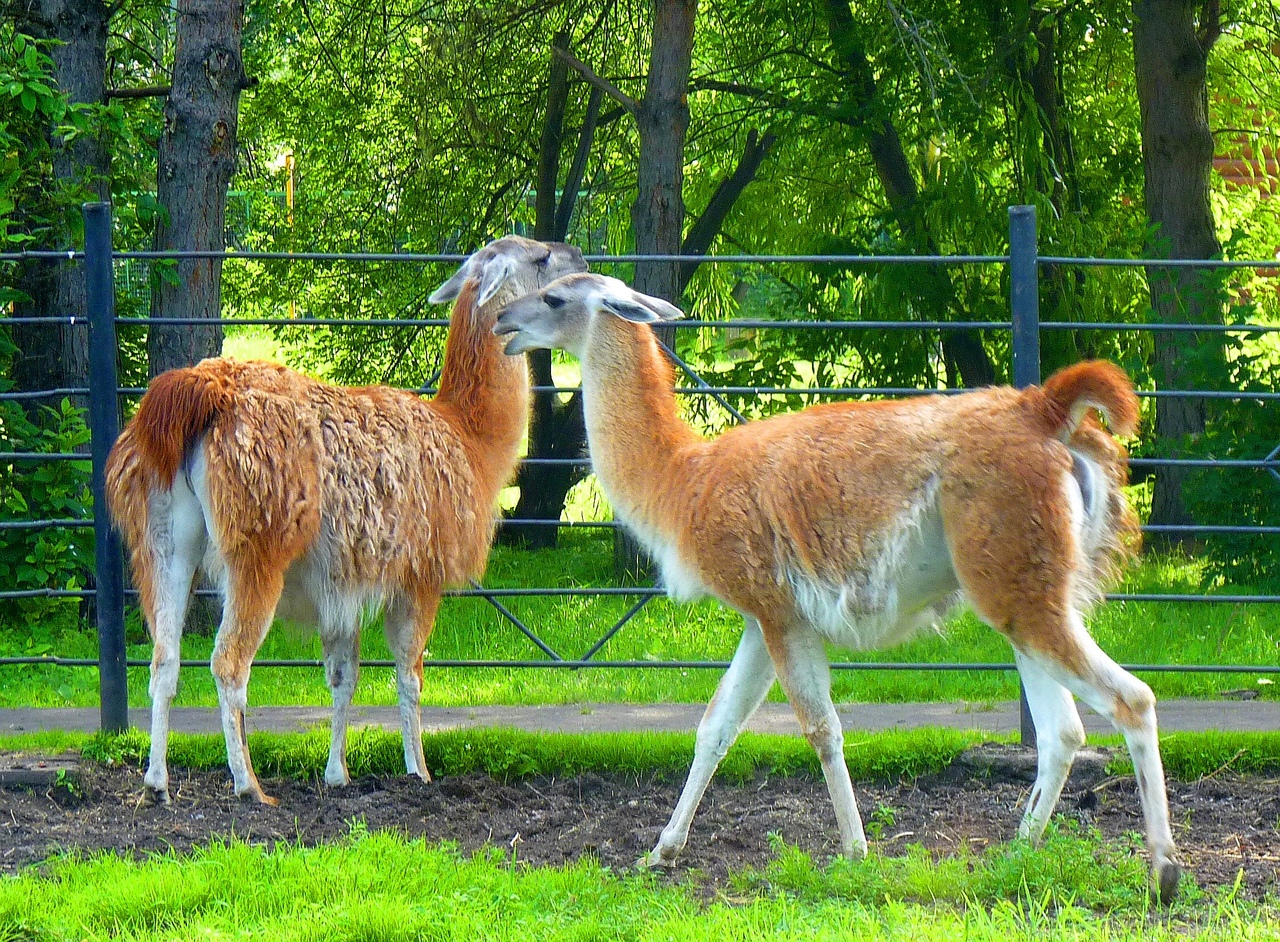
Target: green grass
[[470, 628], [383, 887], [507, 753]]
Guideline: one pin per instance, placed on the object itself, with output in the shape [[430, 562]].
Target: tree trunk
[[1170, 52], [197, 156], [555, 431], [864, 110], [57, 356], [657, 216]]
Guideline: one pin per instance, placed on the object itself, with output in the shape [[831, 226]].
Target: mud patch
[[1223, 825]]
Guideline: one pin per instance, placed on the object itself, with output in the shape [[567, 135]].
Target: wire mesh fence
[[104, 397]]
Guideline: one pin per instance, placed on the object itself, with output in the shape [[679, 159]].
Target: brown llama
[[334, 499], [858, 523]]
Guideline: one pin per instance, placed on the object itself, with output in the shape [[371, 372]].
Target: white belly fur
[[909, 585]]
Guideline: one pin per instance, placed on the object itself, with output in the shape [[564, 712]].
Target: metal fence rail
[[1024, 261]]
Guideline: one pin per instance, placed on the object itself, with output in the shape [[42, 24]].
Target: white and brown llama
[[335, 499], [858, 523]]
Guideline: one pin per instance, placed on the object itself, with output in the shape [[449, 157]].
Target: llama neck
[[483, 392], [640, 447]]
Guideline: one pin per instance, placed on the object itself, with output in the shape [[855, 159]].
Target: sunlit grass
[[885, 755], [381, 886], [470, 629]]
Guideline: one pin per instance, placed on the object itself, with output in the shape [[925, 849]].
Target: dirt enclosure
[[1223, 824]]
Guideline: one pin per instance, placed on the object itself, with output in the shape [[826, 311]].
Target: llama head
[[511, 267], [561, 314]]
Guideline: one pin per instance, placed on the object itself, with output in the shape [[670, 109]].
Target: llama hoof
[[1164, 882], [856, 851], [258, 795], [154, 796], [657, 860]]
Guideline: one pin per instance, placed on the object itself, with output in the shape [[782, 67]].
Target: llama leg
[[738, 695], [250, 604], [805, 676], [1095, 678], [177, 544], [1059, 734], [408, 624], [342, 671]]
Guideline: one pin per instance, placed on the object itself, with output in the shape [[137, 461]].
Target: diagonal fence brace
[[511, 617], [617, 626], [702, 383]]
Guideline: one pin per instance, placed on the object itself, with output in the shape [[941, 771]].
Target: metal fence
[[1023, 261]]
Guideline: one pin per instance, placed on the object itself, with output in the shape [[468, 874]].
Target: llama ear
[[665, 310], [640, 308], [453, 287], [494, 274]]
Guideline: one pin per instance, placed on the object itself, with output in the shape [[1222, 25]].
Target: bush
[[56, 558], [1243, 429]]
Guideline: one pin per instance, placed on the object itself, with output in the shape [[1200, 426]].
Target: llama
[[335, 500], [859, 523]]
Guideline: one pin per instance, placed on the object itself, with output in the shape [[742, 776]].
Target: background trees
[[767, 127]]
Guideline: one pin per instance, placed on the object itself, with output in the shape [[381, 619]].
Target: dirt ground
[[1222, 824]]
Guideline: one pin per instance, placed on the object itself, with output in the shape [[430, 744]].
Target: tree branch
[[573, 182], [1210, 24], [147, 91], [603, 84], [773, 99], [703, 232]]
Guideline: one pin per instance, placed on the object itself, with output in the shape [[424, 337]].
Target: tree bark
[[866, 111], [662, 116], [1170, 51], [57, 356], [657, 216], [197, 156]]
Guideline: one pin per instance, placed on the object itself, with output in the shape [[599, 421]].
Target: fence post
[[104, 427], [1024, 298]]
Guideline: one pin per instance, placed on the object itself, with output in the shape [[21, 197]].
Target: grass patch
[[513, 754], [470, 629], [1190, 756], [380, 886]]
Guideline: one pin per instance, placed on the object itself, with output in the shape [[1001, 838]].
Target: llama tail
[[177, 409], [1094, 384]]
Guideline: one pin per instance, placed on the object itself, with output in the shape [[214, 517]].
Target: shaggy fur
[[857, 523], [337, 499]]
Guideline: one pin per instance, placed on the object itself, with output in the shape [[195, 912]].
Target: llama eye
[[554, 302]]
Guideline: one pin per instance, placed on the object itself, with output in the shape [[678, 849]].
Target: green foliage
[[31, 106], [55, 558]]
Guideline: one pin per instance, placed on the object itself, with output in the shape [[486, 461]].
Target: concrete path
[[1175, 716]]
